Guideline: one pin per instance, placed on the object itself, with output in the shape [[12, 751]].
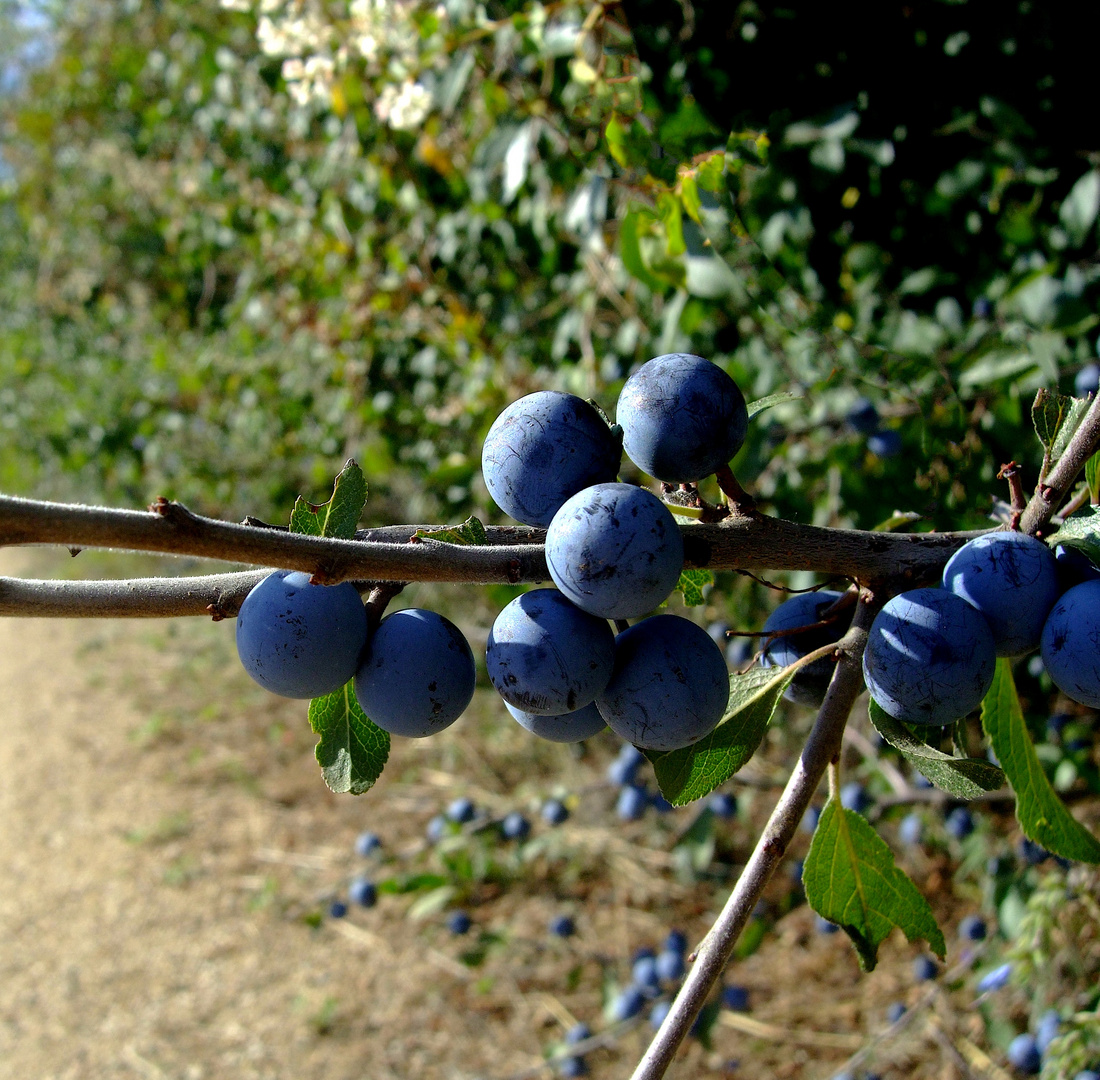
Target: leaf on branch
[[694, 771], [897, 520], [851, 879], [964, 778], [471, 533], [692, 583], [1056, 417], [352, 750], [1092, 476], [1082, 531], [339, 517], [1042, 815], [760, 404]]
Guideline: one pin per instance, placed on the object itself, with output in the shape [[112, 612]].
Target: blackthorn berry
[[632, 803], [572, 1067], [1087, 380], [810, 818], [366, 843], [544, 448], [337, 909], [554, 812], [854, 796], [569, 727], [723, 805], [658, 1013], [458, 922], [624, 768], [885, 443], [461, 810], [925, 968], [615, 551], [301, 640], [515, 826], [736, 998], [823, 926], [972, 928], [417, 675], [996, 979], [670, 965], [911, 829], [562, 926], [577, 1034], [626, 1004], [1046, 1031], [436, 829], [362, 892], [676, 942], [809, 685], [670, 685], [643, 972], [1069, 644], [1024, 1054], [959, 823], [682, 418], [863, 416], [895, 1012]]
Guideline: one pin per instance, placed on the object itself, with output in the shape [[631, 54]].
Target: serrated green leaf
[[1041, 814], [1056, 417], [964, 778], [1092, 476], [851, 879], [470, 533], [352, 750], [694, 771], [339, 517], [760, 404], [1081, 531], [691, 584]]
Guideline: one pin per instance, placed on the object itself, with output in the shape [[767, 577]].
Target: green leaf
[[1080, 207], [694, 771], [897, 520], [691, 584], [470, 533], [965, 778], [629, 144], [671, 217], [339, 516], [851, 879], [1081, 531], [1056, 417], [1092, 476], [352, 750], [630, 250], [760, 404], [1041, 814]]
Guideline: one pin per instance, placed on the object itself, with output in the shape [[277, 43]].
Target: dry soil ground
[[167, 847]]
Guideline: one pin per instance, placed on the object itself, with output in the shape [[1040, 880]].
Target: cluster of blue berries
[[931, 653], [413, 677], [882, 442], [614, 552]]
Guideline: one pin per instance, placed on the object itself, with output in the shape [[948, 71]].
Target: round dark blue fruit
[[930, 657], [615, 551], [544, 448], [809, 685], [682, 418], [1070, 644], [301, 640], [417, 676], [1012, 579], [569, 727], [546, 656], [670, 686]]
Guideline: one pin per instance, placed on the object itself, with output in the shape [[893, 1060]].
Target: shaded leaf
[[1080, 207], [1081, 531], [691, 584], [339, 517], [1056, 417], [1041, 813], [694, 771], [1092, 476], [897, 520], [851, 879], [352, 750], [964, 778], [407, 883], [470, 533], [760, 404]]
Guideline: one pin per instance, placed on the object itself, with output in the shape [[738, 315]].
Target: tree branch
[[822, 747]]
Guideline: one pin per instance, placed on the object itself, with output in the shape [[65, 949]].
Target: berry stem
[[741, 502]]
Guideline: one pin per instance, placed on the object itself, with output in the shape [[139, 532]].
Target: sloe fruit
[[1070, 644], [809, 685], [567, 728]]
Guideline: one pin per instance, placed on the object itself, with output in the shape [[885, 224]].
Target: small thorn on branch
[[1017, 498], [216, 614], [74, 551]]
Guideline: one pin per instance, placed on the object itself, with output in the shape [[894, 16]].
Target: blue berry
[[436, 829], [458, 922], [1087, 380], [723, 805], [337, 909], [676, 942], [809, 685], [925, 969], [572, 1067], [670, 965], [823, 926], [367, 843], [1024, 1054], [624, 768], [615, 551], [1032, 853], [682, 417], [544, 448], [982, 308], [863, 416], [735, 998], [1074, 567], [854, 796], [959, 823], [810, 819], [301, 640], [417, 676], [562, 926], [515, 826], [461, 810], [362, 892], [546, 656], [911, 829], [930, 657], [658, 1013], [632, 803], [1069, 644], [997, 979], [661, 804], [554, 812], [578, 1033], [1087, 1074], [626, 1004], [972, 928], [895, 1012], [569, 727], [885, 443], [670, 685], [644, 974], [1012, 579], [1046, 1031]]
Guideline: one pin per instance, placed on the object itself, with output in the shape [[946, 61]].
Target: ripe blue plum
[[562, 926], [895, 1012], [301, 640], [682, 417], [1012, 579], [997, 979], [1087, 380], [417, 675], [863, 416], [930, 657], [1047, 1029], [626, 1004], [459, 922], [885, 443], [624, 769], [363, 892], [959, 823], [809, 685], [735, 998], [925, 969], [367, 843], [547, 656], [461, 810], [632, 803], [554, 811], [544, 448], [1024, 1054], [1070, 645], [911, 829], [614, 550], [670, 686], [658, 1013], [515, 826], [972, 928], [567, 728], [854, 796], [670, 965], [723, 805]]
